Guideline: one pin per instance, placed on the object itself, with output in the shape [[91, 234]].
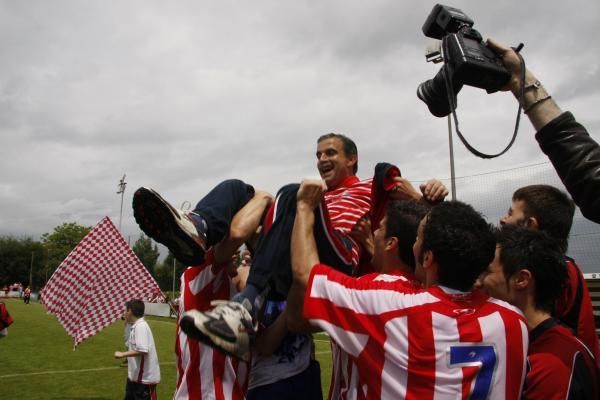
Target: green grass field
[[37, 360]]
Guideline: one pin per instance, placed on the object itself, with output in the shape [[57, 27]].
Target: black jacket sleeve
[[576, 158]]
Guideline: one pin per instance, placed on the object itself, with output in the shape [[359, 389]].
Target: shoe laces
[[225, 308]]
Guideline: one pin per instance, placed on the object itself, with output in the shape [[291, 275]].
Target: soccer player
[[529, 272], [203, 373], [143, 372], [441, 341], [550, 210], [393, 259]]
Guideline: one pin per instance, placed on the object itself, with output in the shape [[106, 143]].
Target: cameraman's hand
[[511, 61]]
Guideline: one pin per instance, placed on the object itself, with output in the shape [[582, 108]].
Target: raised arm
[[304, 252], [573, 152], [537, 103]]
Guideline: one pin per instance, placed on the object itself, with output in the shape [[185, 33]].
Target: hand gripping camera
[[467, 60]]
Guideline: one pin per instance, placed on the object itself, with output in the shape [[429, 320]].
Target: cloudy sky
[[180, 95]]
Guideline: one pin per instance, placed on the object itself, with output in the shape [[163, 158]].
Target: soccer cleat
[[169, 226], [228, 327]]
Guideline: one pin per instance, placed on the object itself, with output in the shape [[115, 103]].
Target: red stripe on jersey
[[514, 378], [420, 384]]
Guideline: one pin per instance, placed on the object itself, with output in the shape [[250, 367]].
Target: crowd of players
[[422, 298]]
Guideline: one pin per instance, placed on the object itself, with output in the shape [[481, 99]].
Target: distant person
[[574, 154], [26, 295], [143, 372], [5, 320]]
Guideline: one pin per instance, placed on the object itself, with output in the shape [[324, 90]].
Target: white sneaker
[[227, 327], [169, 226]]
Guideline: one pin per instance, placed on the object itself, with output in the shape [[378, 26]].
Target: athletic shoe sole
[[193, 325], [159, 220]]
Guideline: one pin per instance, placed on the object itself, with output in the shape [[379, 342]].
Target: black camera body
[[468, 61]]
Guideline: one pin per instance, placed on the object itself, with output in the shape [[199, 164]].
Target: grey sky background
[[181, 95]]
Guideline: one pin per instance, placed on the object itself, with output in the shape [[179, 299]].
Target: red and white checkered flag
[[89, 289]]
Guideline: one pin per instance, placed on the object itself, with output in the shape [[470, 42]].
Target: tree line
[[32, 262]]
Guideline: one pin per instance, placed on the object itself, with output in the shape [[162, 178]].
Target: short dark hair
[[551, 207], [348, 144], [136, 306], [539, 253], [462, 242], [402, 221]]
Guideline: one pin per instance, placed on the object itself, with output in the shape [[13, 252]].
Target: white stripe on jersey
[[448, 379], [394, 377], [505, 305], [201, 280], [354, 343], [206, 373], [368, 301]]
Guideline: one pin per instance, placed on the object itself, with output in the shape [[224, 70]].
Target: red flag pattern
[[89, 289]]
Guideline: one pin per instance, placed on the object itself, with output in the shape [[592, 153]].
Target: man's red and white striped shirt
[[345, 205], [345, 383], [421, 344], [204, 373]]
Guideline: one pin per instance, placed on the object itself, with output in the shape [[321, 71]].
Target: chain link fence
[[491, 194]]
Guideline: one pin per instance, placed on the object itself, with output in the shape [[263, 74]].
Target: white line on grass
[[69, 371]]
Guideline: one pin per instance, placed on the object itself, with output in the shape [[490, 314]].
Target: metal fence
[[491, 194]]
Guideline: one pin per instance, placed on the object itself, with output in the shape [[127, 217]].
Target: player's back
[[465, 343], [421, 344]]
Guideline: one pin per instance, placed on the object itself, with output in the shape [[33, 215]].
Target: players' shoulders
[[503, 306]]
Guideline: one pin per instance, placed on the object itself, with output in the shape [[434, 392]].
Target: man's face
[[332, 162], [492, 281], [515, 215], [417, 248], [379, 243], [127, 315]]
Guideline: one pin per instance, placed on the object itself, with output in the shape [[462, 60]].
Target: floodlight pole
[[121, 191], [452, 176]]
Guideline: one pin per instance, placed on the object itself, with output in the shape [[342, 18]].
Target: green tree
[[147, 253], [164, 273], [19, 258], [60, 242]]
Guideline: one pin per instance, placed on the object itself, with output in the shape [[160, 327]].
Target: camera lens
[[433, 93]]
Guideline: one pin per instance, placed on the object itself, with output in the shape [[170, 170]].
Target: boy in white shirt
[[143, 371]]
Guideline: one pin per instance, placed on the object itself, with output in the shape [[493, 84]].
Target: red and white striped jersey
[[346, 205], [203, 373], [421, 344], [345, 383]]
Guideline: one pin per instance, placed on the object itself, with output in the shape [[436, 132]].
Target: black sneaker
[[228, 327], [169, 226]]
